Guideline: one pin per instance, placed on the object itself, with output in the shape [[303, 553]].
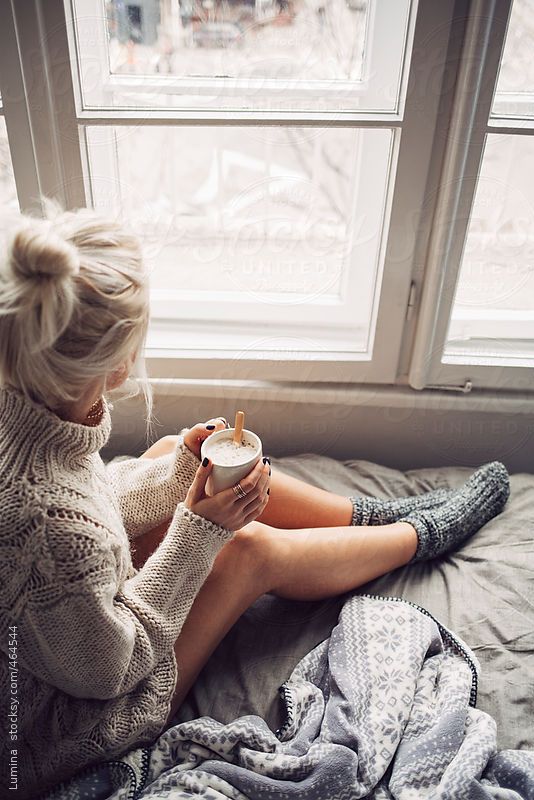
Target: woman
[[98, 653]]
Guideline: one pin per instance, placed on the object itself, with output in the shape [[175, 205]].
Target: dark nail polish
[[270, 470], [265, 459], [205, 461], [210, 427], [268, 491], [268, 459]]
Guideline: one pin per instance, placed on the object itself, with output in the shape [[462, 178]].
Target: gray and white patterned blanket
[[383, 708]]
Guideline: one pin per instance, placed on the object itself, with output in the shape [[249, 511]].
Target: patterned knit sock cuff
[[361, 511]]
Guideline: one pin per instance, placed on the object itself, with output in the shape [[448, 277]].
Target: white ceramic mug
[[223, 476]]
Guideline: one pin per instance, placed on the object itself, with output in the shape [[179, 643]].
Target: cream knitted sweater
[[87, 665]]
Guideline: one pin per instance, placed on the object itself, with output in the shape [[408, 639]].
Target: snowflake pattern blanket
[[383, 708]]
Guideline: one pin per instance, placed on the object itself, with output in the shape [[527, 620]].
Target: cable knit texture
[[475, 503], [375, 511], [96, 668]]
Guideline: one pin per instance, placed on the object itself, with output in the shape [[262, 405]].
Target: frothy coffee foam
[[226, 453]]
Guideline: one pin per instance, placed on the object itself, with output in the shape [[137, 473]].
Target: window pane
[[515, 85], [8, 192], [493, 312], [267, 54], [316, 40], [301, 41], [254, 225]]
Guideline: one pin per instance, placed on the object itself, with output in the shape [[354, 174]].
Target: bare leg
[[292, 503], [296, 504], [310, 564], [145, 544]]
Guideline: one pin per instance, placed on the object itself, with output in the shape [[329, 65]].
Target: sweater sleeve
[[149, 489], [97, 639]]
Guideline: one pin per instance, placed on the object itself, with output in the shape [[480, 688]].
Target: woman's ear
[[117, 377]]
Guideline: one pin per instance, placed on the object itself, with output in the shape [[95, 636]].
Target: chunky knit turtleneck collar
[[38, 430]]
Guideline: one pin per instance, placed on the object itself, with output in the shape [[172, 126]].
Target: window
[[493, 312], [269, 55], [262, 240], [242, 229], [487, 336], [326, 191]]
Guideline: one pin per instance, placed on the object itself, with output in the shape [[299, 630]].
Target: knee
[[162, 447], [168, 443], [248, 554]]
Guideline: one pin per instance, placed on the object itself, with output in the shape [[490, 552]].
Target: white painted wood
[[387, 38], [478, 69]]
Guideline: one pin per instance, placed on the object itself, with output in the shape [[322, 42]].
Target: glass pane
[[493, 311], [309, 40], [266, 54], [251, 224], [515, 86], [8, 191]]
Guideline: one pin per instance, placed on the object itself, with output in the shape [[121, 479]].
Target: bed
[[484, 593]]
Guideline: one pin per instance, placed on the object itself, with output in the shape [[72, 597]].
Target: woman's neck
[[85, 410]]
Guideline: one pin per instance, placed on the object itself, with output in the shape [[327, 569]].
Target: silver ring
[[239, 491]]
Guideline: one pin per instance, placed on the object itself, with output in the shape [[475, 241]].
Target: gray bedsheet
[[483, 592]]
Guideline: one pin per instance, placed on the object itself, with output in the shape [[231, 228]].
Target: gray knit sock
[[481, 498], [375, 511]]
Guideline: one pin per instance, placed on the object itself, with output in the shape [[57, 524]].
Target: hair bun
[[37, 251]]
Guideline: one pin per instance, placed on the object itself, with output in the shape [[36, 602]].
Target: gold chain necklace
[[96, 410]]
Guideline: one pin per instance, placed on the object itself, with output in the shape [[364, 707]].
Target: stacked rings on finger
[[239, 491]]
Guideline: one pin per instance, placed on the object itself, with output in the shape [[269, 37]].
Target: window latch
[[465, 388]]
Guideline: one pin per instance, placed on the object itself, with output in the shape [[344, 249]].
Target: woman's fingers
[[224, 507], [205, 429], [259, 488], [195, 436], [250, 481], [219, 422], [247, 483], [251, 506], [254, 507], [197, 489]]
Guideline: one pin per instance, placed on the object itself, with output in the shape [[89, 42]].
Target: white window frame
[[44, 118], [471, 122], [211, 316], [279, 359], [382, 59]]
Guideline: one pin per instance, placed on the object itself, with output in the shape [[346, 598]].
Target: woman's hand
[[224, 508], [195, 436]]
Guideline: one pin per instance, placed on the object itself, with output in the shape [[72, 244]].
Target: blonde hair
[[73, 305]]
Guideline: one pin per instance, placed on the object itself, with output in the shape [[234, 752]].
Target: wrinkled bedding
[[383, 708], [484, 593]]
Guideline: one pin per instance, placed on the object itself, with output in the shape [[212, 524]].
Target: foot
[[444, 527], [374, 511]]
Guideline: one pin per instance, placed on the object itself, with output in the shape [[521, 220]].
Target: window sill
[[390, 396]]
